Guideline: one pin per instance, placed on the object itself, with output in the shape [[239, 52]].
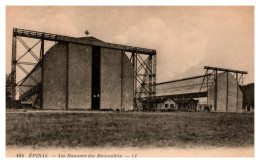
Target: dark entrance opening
[[95, 95]]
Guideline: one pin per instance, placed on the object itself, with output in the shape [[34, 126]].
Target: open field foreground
[[129, 129]]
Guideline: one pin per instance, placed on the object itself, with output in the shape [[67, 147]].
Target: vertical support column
[[242, 88], [153, 79], [134, 65], [242, 80], [13, 69], [67, 78], [227, 94], [237, 92], [122, 69], [42, 64], [150, 75], [154, 74], [136, 93], [207, 87], [216, 89]]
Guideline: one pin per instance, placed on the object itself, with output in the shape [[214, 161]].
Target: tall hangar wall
[[116, 80], [69, 76], [54, 77], [229, 94], [79, 76]]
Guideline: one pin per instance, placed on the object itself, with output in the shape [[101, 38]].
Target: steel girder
[[60, 38]]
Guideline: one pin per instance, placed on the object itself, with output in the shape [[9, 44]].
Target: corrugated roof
[[193, 77], [183, 86]]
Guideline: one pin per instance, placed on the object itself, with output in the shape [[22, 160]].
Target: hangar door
[[95, 77]]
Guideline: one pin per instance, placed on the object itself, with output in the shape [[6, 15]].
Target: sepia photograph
[[129, 81]]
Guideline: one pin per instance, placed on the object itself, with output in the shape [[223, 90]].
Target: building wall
[[55, 77], [202, 103], [161, 105], [110, 93], [127, 83], [169, 102], [234, 103], [222, 92], [79, 84], [116, 80], [211, 96], [158, 106], [234, 94]]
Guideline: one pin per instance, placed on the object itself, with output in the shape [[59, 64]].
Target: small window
[[172, 105], [166, 105]]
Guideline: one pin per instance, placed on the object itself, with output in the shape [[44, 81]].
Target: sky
[[186, 38]]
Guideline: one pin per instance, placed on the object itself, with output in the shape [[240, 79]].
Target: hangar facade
[[84, 73], [83, 77]]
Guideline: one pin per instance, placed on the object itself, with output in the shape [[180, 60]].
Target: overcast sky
[[185, 38]]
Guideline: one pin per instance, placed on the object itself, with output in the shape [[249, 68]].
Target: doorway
[[95, 94]]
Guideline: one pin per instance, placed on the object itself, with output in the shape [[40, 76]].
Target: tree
[[248, 95]]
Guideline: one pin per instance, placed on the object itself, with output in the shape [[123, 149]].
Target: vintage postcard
[[129, 81]]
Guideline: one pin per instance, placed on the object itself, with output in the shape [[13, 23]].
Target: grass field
[[129, 129]]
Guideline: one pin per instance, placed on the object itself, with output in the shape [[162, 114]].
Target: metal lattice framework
[[18, 36], [143, 83], [144, 80]]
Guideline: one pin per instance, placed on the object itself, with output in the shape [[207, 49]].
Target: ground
[[129, 129]]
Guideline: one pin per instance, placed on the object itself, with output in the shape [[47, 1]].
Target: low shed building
[[187, 104], [165, 103]]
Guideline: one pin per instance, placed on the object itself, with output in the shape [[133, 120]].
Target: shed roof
[[191, 85], [189, 78], [182, 86]]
